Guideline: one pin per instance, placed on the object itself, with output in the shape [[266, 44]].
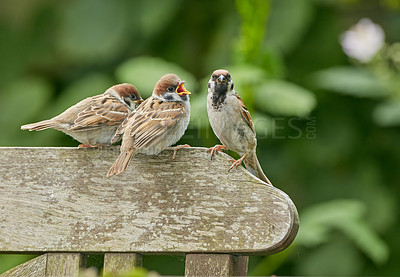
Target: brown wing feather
[[151, 120], [102, 112], [245, 114], [121, 128]]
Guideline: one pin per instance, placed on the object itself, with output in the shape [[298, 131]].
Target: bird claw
[[84, 146], [176, 148], [216, 148], [237, 162]]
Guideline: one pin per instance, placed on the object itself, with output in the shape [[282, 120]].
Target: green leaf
[[32, 94], [351, 81], [284, 98], [92, 30], [246, 74], [338, 257], [87, 86], [144, 72], [198, 106], [287, 23], [346, 216], [387, 113], [147, 15], [263, 124]]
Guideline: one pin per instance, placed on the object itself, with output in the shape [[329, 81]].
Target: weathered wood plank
[[115, 263], [215, 265], [32, 268], [64, 264], [58, 200]]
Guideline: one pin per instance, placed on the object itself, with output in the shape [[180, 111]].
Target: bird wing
[[151, 121], [244, 112], [104, 110]]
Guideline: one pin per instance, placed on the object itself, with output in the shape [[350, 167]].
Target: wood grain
[[117, 263], [215, 265], [59, 200], [64, 264]]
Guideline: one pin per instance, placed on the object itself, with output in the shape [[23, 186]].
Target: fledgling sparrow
[[159, 122], [231, 123], [94, 120]]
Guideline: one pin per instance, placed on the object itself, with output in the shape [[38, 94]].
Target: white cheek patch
[[171, 96]]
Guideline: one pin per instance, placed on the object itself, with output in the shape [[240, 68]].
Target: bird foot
[[216, 148], [85, 146], [176, 148], [96, 146], [237, 162]]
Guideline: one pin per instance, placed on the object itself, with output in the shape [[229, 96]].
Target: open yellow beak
[[181, 90]]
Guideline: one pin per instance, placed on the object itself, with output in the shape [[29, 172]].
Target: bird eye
[[214, 76], [229, 75], [171, 89]]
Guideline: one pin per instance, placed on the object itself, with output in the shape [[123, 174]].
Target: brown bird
[[231, 123], [159, 122], [94, 120]]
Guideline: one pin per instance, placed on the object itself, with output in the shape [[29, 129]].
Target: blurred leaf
[[366, 239], [89, 85], [387, 113], [281, 97], [269, 264], [349, 80], [144, 72], [320, 220], [20, 104], [165, 11], [254, 15], [198, 106], [246, 74], [263, 124], [271, 60], [336, 258], [92, 30], [287, 23]]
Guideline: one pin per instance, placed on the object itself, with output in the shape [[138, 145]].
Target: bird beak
[[138, 101], [221, 80], [181, 90]]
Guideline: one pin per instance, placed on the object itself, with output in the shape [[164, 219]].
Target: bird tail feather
[[38, 126], [253, 165], [120, 164]]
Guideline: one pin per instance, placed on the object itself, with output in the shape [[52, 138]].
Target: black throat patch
[[219, 95]]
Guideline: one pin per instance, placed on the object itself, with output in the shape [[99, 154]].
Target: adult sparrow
[[94, 120], [159, 122], [231, 123]]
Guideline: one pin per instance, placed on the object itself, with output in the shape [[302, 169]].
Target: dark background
[[327, 125]]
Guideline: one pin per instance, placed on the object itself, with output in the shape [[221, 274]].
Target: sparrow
[[231, 123], [94, 120], [159, 122]]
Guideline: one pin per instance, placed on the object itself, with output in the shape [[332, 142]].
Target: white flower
[[363, 40]]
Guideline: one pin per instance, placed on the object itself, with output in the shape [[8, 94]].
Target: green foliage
[[287, 24], [144, 72], [346, 216], [254, 14], [388, 113], [92, 30], [284, 98], [321, 118], [350, 80]]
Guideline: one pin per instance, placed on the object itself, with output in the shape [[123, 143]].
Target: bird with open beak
[[231, 123], [159, 122], [94, 120]]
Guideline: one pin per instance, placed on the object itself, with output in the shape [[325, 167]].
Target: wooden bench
[[57, 202]]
